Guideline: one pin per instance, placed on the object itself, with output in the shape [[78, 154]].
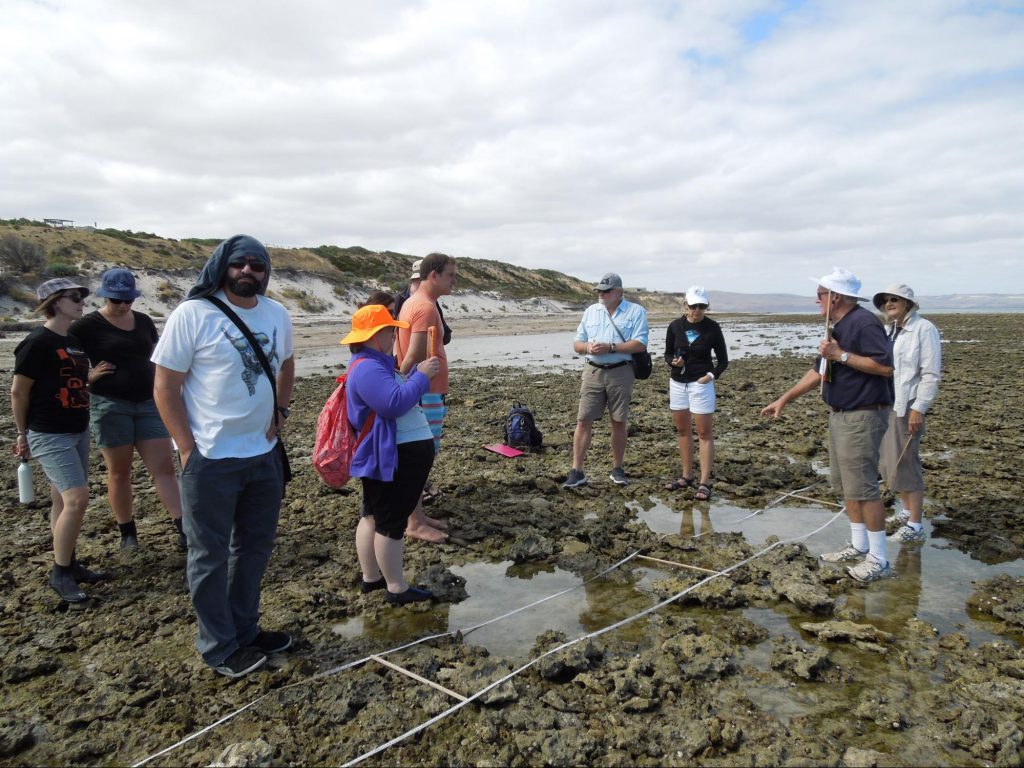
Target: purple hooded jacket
[[371, 385]]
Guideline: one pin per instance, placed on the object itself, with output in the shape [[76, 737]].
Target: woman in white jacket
[[917, 361]]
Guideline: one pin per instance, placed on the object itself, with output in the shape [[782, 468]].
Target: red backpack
[[336, 440]]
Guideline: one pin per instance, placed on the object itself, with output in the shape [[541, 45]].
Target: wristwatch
[[844, 357], [283, 411]]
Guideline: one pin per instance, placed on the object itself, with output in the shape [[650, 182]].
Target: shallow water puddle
[[499, 588], [496, 588], [932, 581]]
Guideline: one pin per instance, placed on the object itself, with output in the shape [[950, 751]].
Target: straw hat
[[368, 320]]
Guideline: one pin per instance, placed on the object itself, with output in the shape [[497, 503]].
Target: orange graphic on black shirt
[[74, 375]]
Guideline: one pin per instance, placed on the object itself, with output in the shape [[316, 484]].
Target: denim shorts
[[63, 456], [115, 422]]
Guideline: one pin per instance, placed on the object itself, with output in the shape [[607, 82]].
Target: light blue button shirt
[[596, 325]]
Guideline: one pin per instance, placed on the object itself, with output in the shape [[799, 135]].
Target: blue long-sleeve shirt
[[371, 386]]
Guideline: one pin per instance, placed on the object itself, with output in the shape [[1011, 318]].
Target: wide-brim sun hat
[[50, 287], [841, 281], [896, 289], [696, 294], [368, 320], [118, 283]]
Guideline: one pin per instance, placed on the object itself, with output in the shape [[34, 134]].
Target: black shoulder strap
[[260, 355]]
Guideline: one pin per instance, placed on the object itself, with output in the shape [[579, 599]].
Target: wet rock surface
[[734, 671]]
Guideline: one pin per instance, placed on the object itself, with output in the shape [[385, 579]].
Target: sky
[[743, 145]]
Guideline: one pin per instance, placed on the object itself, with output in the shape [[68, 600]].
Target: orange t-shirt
[[421, 313]]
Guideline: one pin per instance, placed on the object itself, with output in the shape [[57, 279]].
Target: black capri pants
[[391, 503]]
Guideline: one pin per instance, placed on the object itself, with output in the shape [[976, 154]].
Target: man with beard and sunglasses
[[218, 404]]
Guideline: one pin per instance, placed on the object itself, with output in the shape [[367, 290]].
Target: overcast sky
[[744, 145]]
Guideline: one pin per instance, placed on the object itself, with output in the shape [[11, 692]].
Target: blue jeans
[[230, 510]]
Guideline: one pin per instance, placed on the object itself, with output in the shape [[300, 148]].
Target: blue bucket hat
[[118, 283]]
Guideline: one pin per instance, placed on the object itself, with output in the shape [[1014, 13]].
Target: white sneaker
[[844, 555], [908, 535], [898, 518], [869, 570]]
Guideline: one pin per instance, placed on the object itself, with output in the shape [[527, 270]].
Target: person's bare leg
[[620, 431], [365, 549], [68, 523], [418, 528], [706, 435], [158, 456], [389, 554], [913, 502], [119, 480], [581, 443], [684, 439]]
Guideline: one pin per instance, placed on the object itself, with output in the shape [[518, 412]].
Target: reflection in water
[[932, 581]]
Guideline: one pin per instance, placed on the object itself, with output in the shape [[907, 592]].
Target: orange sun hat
[[368, 320]]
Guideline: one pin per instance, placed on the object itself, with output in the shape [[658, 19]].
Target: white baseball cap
[[697, 294]]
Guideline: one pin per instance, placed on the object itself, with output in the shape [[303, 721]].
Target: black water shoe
[[62, 581], [411, 595]]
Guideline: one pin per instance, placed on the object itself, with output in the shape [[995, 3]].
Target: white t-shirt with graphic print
[[227, 395]]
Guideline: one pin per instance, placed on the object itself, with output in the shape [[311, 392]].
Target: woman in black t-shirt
[[119, 342], [689, 343], [50, 403]]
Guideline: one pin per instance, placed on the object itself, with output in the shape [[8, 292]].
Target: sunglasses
[[890, 299], [606, 290], [698, 306], [253, 264], [121, 301], [75, 296], [823, 293]]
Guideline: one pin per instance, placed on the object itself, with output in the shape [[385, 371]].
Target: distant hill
[[328, 279]]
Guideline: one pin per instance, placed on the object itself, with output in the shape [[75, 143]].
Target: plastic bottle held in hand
[[26, 488]]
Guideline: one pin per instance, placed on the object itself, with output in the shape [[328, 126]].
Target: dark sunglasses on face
[[822, 294], [606, 290], [121, 301], [75, 296], [698, 306], [890, 299], [254, 265]]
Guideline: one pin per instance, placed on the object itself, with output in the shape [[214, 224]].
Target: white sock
[[915, 526], [876, 546], [859, 536]]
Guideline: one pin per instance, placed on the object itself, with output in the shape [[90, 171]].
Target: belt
[[872, 407], [608, 366]]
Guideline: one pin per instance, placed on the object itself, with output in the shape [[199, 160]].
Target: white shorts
[[693, 397]]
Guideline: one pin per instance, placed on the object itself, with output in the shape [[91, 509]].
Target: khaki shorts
[[854, 440], [901, 469], [611, 387]]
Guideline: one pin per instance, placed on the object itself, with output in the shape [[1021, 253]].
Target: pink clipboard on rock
[[504, 450]]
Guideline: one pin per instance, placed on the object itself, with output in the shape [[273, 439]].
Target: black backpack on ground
[[521, 430]]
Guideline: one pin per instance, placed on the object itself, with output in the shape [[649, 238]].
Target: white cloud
[[741, 145]]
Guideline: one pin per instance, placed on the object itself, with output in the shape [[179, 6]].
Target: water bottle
[[26, 488]]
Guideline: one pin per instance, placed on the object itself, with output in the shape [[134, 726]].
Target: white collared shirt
[[917, 364]]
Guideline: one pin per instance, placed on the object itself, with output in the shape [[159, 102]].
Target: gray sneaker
[[898, 518], [907, 535], [618, 476], [576, 479], [870, 570], [844, 555]]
